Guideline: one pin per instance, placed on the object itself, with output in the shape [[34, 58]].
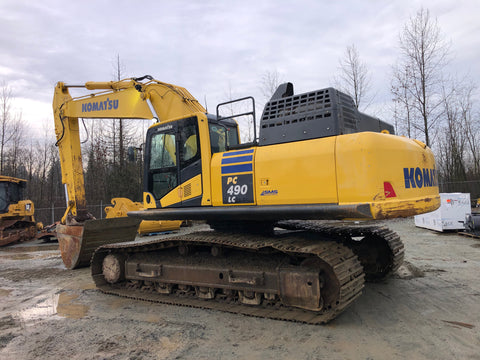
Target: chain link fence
[[470, 186], [52, 214]]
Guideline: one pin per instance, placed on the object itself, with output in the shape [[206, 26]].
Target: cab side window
[[217, 138], [189, 144]]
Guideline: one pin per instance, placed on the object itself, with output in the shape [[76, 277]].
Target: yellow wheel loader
[[284, 243], [17, 222]]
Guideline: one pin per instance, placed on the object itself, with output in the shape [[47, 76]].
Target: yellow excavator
[[17, 222], [289, 212]]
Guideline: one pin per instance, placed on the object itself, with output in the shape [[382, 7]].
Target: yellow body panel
[[24, 208], [280, 175], [302, 172], [188, 190], [353, 169], [155, 226], [367, 160]]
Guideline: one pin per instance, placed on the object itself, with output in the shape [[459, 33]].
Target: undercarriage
[[12, 231], [302, 271]]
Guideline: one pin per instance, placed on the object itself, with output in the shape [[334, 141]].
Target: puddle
[[89, 286], [31, 248], [24, 256], [67, 308], [18, 257], [4, 292], [62, 304]]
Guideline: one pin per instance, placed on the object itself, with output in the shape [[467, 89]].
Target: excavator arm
[[125, 99]]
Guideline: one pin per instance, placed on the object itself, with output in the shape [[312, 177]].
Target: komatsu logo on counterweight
[[100, 105], [418, 178]]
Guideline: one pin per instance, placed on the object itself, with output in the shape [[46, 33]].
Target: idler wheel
[[113, 268]]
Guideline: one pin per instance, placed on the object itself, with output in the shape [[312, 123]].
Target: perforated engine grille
[[316, 114], [301, 107]]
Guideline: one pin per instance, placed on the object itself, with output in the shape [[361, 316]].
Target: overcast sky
[[214, 48]]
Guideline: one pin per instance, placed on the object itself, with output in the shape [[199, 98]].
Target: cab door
[[173, 164], [161, 170], [190, 162]]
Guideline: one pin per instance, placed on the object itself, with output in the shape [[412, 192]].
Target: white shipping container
[[454, 207]]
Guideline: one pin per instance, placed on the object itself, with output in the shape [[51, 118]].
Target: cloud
[[212, 47]]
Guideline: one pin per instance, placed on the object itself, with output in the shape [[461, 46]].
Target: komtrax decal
[[100, 105], [269, 192], [418, 178]]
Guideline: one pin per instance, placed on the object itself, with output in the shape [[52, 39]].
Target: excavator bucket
[[78, 242]]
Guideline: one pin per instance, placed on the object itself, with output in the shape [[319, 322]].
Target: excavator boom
[[78, 232]]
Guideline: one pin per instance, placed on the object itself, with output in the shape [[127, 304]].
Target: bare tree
[[424, 54], [15, 154], [452, 138], [5, 122], [245, 123], [269, 83], [12, 135], [43, 149], [353, 78], [108, 171], [470, 125], [121, 136], [404, 116]]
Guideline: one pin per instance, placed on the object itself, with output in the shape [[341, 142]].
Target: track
[[12, 231], [379, 249], [341, 280]]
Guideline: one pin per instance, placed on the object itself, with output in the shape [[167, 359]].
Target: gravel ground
[[430, 309]]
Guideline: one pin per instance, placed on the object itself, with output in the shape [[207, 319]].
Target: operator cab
[[10, 193], [174, 150]]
